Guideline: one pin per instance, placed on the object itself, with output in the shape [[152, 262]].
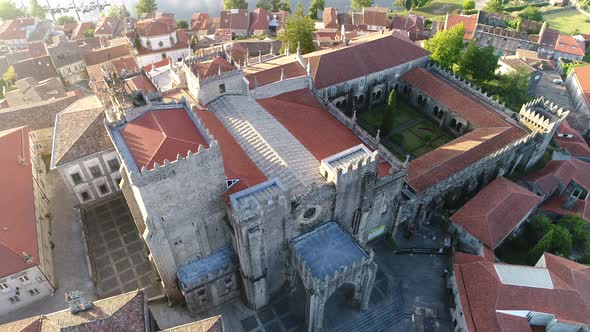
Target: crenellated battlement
[[542, 115], [349, 163], [258, 199]]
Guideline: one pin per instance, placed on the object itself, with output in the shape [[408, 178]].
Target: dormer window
[[229, 183]]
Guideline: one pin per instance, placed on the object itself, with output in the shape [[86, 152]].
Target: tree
[[182, 24], [531, 13], [9, 11], [562, 241], [408, 4], [118, 11], [299, 28], [392, 100], [537, 228], [89, 33], [469, 4], [145, 7], [495, 6], [446, 45], [9, 76], [514, 88], [36, 10], [359, 4], [235, 4], [386, 122], [578, 228], [66, 19], [264, 4], [480, 63], [314, 7]]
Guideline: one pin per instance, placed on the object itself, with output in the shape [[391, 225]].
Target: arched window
[[435, 111], [361, 99], [453, 123], [338, 104], [440, 114], [420, 99], [378, 94], [344, 103], [459, 126]]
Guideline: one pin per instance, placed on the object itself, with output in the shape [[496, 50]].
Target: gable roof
[[568, 44], [155, 26], [212, 324], [125, 312], [78, 32], [361, 58], [234, 19], [495, 211], [374, 16], [15, 29], [408, 23], [330, 18], [268, 72], [582, 76], [39, 68], [105, 54], [79, 132], [64, 53], [211, 68], [259, 19], [109, 25], [575, 145], [199, 21], [469, 24], [548, 38], [18, 229]]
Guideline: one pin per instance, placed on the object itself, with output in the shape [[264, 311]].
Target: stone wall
[[503, 40], [277, 88]]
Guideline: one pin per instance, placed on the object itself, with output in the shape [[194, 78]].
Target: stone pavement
[[69, 254], [118, 256]]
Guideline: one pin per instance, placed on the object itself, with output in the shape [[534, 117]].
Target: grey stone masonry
[[274, 150]]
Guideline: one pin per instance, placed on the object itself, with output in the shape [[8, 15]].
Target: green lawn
[[566, 19], [419, 138], [436, 9]]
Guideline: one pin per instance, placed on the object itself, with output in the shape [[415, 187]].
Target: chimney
[[77, 302]]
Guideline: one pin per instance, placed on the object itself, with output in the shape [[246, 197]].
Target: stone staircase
[[274, 150]]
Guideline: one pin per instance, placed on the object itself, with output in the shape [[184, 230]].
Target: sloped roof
[[64, 53], [483, 294], [155, 26], [212, 68], [582, 76], [495, 211], [105, 54], [234, 19], [18, 230], [376, 16], [362, 57], [79, 132], [15, 29], [125, 312], [469, 24], [161, 134], [408, 23], [268, 72], [199, 21], [575, 145], [568, 44], [78, 32], [330, 18], [109, 25], [561, 171], [213, 324], [40, 68], [259, 19]]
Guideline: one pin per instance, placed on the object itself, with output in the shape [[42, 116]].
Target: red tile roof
[[15, 29], [105, 54], [361, 58], [37, 49], [236, 163], [303, 116], [199, 21], [477, 114], [259, 19], [374, 16], [159, 135], [212, 68], [140, 83], [126, 63], [568, 44], [272, 75], [575, 145], [582, 76], [18, 229], [495, 211], [469, 24], [548, 38], [158, 64], [330, 18], [234, 19], [561, 171], [107, 26], [155, 26], [574, 275], [78, 32], [483, 294], [408, 23]]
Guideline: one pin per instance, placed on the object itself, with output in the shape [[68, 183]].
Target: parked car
[[558, 81]]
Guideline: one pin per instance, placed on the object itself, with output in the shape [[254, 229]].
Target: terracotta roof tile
[[39, 68], [374, 16], [568, 44], [212, 68], [271, 72], [234, 19], [495, 211], [15, 29], [575, 145], [105, 54], [140, 83], [109, 26], [259, 19], [582, 76], [213, 324], [161, 134], [330, 18], [548, 38], [81, 28], [469, 24], [155, 27], [361, 58], [18, 229], [199, 22]]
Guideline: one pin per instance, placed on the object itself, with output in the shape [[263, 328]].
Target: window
[[14, 299], [380, 77], [163, 56], [113, 164], [221, 88], [33, 291], [347, 87], [362, 84], [103, 189], [332, 91], [3, 286], [76, 178], [201, 292], [85, 196], [23, 279], [95, 171]]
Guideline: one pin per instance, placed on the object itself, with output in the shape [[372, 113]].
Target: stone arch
[[338, 104], [344, 102], [361, 99], [379, 94], [435, 111], [420, 99], [344, 300], [453, 123], [459, 126]]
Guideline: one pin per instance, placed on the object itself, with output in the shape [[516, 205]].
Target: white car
[[558, 81]]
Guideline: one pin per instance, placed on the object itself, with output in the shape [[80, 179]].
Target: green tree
[[264, 4], [66, 19], [408, 4], [386, 122], [392, 101], [145, 7], [544, 245], [469, 4], [89, 33], [531, 13], [182, 24], [495, 6], [359, 4], [9, 76], [235, 4], [479, 63], [36, 10], [562, 241], [514, 88], [314, 7], [578, 228], [446, 45], [9, 11], [299, 28], [284, 5], [537, 227], [118, 11]]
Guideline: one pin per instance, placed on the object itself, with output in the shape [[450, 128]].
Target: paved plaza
[[118, 256]]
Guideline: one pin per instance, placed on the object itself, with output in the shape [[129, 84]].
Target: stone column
[[315, 312], [368, 283]]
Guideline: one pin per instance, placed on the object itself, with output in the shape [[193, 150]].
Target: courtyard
[[118, 257], [412, 133]]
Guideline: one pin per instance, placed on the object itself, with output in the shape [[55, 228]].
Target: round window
[[309, 213]]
